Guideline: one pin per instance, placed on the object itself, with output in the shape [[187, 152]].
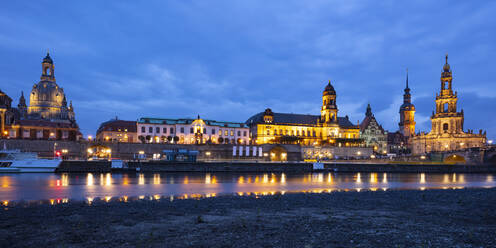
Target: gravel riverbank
[[431, 218]]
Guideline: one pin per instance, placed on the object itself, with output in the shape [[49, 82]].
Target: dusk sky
[[228, 60]]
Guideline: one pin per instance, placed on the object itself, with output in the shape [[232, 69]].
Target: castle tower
[[329, 111], [446, 119], [407, 113]]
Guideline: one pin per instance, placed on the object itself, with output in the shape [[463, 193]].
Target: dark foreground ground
[[433, 218]]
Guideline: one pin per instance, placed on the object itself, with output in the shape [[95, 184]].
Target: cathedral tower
[[407, 113], [446, 119], [329, 111]]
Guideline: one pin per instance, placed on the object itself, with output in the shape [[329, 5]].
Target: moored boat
[[17, 161]]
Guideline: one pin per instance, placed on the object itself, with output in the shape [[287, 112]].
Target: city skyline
[[254, 71]]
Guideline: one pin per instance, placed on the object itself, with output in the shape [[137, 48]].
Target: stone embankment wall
[[127, 151]]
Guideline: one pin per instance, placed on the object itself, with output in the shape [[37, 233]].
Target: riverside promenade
[[243, 166], [396, 218]]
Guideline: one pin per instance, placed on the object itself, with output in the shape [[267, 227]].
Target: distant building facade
[[191, 131], [372, 133], [48, 115], [447, 123], [116, 130], [326, 129]]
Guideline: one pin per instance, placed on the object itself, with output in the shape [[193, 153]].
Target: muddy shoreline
[[430, 218]]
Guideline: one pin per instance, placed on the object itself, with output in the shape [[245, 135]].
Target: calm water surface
[[61, 188]]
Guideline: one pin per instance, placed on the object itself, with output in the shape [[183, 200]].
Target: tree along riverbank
[[431, 218]]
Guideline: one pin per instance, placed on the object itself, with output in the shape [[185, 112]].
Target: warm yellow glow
[[90, 151], [156, 178], [265, 178], [90, 137], [208, 179], [422, 157], [89, 179], [141, 179], [384, 178], [422, 178], [329, 178], [5, 203], [65, 180], [107, 138], [108, 180], [446, 178], [489, 178], [107, 198], [283, 178], [207, 153], [241, 180], [141, 152], [359, 178], [90, 200], [373, 177]]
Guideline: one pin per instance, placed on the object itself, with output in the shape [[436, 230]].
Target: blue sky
[[228, 60]]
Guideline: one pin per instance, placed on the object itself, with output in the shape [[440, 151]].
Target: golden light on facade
[[90, 151], [208, 153], [107, 138]]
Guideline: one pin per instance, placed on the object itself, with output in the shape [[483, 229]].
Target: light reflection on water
[[59, 188]]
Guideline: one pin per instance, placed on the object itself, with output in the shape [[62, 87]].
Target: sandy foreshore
[[431, 218]]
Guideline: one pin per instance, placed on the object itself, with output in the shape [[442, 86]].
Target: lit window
[[232, 133], [226, 133]]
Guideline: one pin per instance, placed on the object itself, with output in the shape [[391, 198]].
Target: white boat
[[17, 161]]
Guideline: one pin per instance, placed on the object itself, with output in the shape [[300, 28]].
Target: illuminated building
[[116, 130], [191, 131], [326, 129], [47, 116], [372, 133], [447, 123]]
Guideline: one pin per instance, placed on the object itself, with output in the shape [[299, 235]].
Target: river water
[[62, 188]]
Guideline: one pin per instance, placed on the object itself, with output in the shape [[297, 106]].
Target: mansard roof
[[116, 124], [147, 120]]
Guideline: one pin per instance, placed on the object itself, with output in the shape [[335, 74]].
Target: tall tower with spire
[[447, 123], [407, 113]]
